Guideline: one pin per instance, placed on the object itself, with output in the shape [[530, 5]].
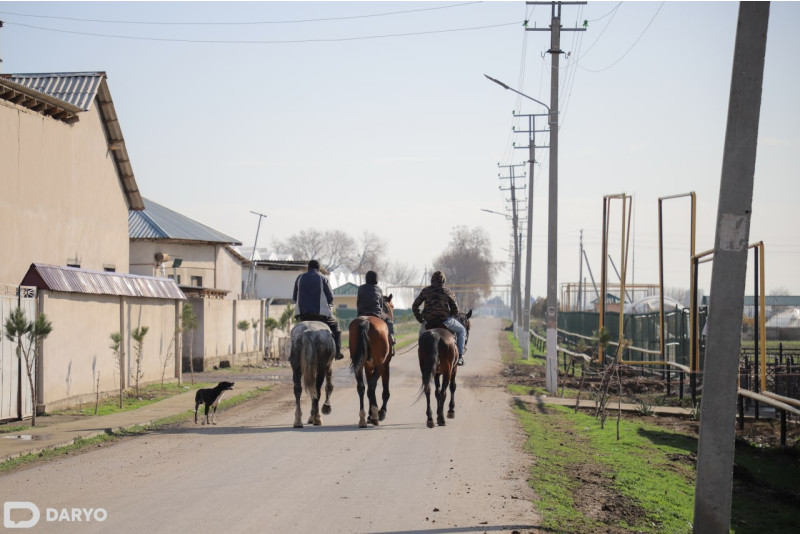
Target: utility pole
[[551, 314], [580, 275], [515, 279], [251, 276], [525, 341], [715, 450]]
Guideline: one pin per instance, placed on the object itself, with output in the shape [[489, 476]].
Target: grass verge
[[82, 444]]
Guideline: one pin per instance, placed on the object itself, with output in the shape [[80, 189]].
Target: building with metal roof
[[167, 244], [65, 174]]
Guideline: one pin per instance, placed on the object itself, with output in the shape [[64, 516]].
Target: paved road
[[255, 473]]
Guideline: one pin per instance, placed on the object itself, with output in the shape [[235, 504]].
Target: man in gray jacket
[[314, 299]]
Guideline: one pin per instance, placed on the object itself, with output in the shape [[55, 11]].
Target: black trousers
[[329, 320]]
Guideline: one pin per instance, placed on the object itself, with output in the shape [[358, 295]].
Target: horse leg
[[451, 413], [428, 412], [362, 416], [385, 395], [372, 385], [298, 389], [316, 418], [326, 408], [441, 393]]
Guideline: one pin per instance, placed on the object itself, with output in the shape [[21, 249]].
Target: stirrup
[[460, 360]]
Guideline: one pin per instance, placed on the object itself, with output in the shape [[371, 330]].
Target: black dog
[[210, 397]]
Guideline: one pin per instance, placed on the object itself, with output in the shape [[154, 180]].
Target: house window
[[172, 277], [109, 268], [197, 281], [74, 262]]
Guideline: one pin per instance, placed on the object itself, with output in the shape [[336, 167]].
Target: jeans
[[458, 329]]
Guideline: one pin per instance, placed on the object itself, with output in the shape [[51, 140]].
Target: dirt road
[[255, 473]]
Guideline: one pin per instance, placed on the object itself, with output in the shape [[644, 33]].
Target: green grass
[[81, 444], [638, 467]]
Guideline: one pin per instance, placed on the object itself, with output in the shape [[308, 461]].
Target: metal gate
[[12, 369]]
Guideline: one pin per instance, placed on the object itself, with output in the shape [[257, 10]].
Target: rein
[[407, 350]]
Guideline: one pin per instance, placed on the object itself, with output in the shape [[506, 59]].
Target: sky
[[376, 116]]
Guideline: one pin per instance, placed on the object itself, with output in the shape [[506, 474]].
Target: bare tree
[[467, 261], [369, 255], [116, 347], [138, 335], [305, 245], [189, 323], [400, 274]]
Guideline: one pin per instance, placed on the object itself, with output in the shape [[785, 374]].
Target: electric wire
[[238, 23], [276, 41], [632, 46]]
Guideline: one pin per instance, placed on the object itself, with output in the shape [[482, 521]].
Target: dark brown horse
[[438, 360], [369, 360]]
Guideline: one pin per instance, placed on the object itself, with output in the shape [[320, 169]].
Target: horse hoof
[[440, 422], [373, 421], [298, 425], [430, 423], [362, 424], [381, 415], [451, 415], [326, 409], [318, 421]]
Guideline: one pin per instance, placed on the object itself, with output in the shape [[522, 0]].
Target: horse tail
[[308, 363], [362, 346], [428, 351]]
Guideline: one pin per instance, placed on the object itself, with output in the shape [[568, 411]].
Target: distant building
[[166, 244]]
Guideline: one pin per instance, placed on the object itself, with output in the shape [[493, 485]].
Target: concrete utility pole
[[515, 280], [525, 340], [251, 276], [714, 486], [551, 314]]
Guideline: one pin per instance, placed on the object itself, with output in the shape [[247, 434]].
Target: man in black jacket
[[370, 302], [314, 298]]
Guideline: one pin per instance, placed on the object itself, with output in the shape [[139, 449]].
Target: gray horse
[[311, 356]]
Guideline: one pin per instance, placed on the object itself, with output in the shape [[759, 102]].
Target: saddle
[[435, 323]]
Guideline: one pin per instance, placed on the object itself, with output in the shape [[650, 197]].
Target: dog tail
[[308, 364], [428, 351]]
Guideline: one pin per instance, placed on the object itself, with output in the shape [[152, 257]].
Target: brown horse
[[438, 360], [369, 360]]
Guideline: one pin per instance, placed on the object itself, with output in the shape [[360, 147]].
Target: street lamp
[[552, 245]]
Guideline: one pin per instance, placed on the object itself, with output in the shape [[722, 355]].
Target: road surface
[[255, 473]]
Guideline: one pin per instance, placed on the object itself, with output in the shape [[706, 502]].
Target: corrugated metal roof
[[78, 91], [76, 88], [73, 280], [158, 222]]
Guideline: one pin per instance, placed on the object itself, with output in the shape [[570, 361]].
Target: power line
[[286, 41], [633, 45], [251, 23]]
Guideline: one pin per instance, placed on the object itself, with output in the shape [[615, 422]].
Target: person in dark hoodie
[[440, 305], [370, 302], [314, 300]]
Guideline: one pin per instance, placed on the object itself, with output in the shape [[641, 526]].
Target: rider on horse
[[370, 302], [314, 298], [440, 306]]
